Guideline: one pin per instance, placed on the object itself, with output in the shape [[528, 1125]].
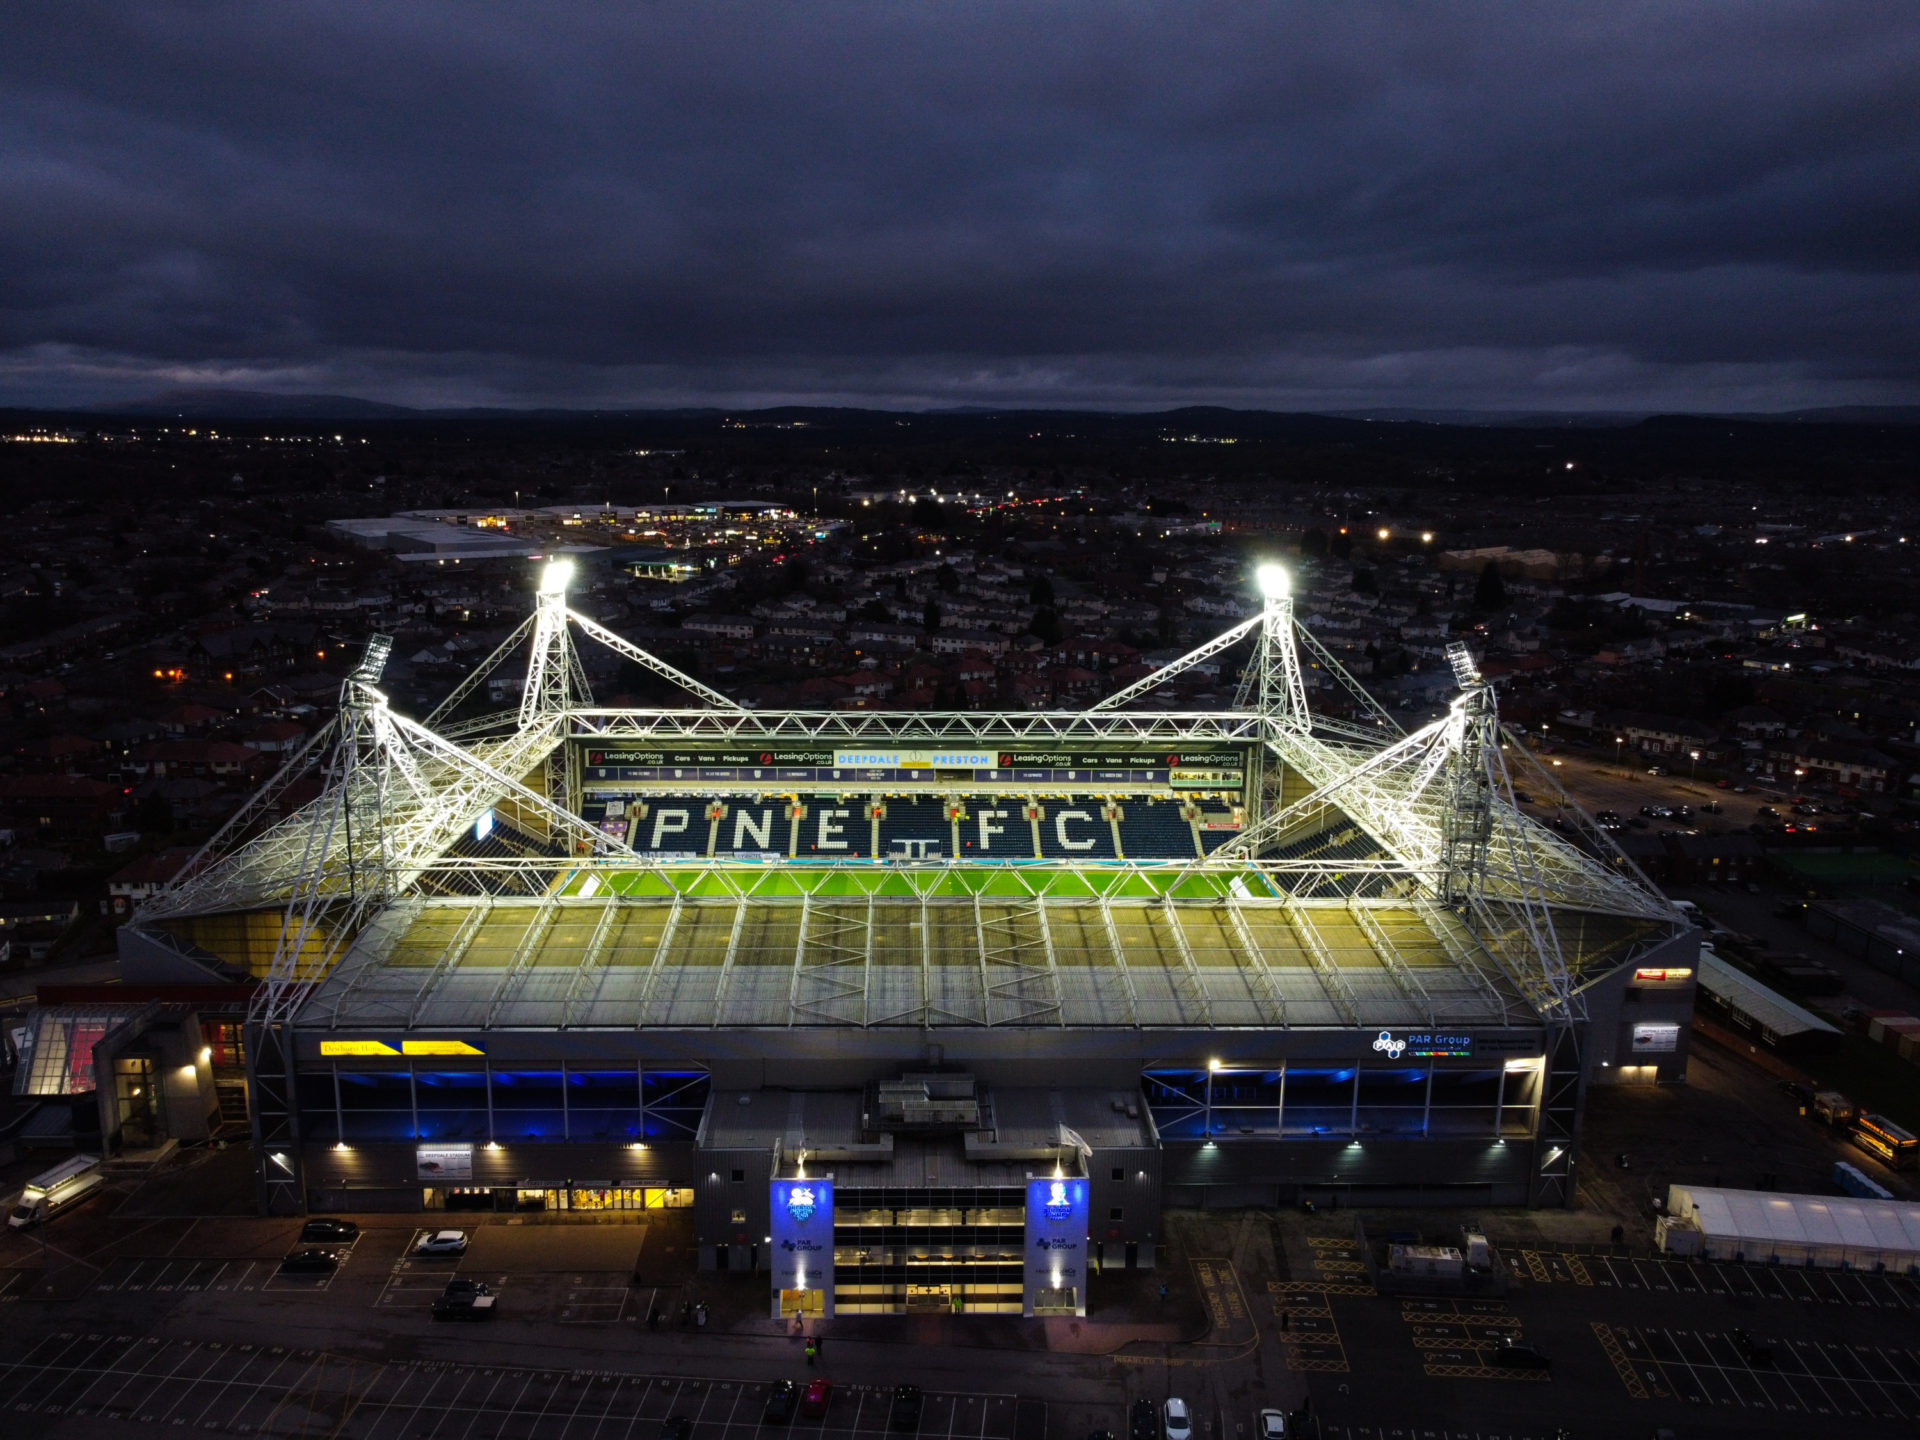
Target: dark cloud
[[1128, 204]]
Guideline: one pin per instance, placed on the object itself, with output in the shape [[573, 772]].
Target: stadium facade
[[923, 1011]]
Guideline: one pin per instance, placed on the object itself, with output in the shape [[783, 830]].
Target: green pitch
[[956, 882]]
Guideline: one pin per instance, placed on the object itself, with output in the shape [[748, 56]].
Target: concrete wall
[[182, 1072], [718, 1194], [1625, 998]]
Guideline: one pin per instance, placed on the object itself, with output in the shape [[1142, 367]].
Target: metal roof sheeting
[[1742, 992]]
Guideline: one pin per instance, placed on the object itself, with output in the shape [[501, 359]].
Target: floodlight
[[1274, 582], [1464, 670], [555, 578]]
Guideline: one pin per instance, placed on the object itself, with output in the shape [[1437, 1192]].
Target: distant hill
[[216, 404]]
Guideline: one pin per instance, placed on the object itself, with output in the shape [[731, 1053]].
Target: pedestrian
[[1283, 1322], [1163, 1294], [810, 1354]]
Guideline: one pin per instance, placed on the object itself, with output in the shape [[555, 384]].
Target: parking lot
[[1743, 1281], [278, 1390], [1797, 1376]]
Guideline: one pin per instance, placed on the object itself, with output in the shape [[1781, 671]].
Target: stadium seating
[[1152, 829], [914, 829], [1072, 829], [992, 827], [835, 827], [996, 828], [669, 825]]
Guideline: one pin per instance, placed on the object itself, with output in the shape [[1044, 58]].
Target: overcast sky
[[1548, 205]]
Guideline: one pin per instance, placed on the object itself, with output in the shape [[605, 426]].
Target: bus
[[47, 1195], [1879, 1136]]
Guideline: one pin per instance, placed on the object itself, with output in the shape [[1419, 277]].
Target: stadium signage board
[[405, 1047], [801, 1218], [1056, 1257]]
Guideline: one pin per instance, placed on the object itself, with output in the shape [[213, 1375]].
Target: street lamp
[[1693, 759], [1619, 755]]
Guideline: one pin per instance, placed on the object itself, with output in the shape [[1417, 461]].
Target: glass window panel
[[378, 1125], [603, 1089], [1240, 1089], [1319, 1102], [453, 1124], [451, 1087], [603, 1124], [527, 1090], [529, 1125], [376, 1090]]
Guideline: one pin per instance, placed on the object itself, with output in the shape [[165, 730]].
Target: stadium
[[922, 1011]]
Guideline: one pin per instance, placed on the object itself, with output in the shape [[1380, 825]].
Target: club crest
[[800, 1203]]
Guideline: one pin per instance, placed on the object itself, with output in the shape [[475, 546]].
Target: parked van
[[47, 1195]]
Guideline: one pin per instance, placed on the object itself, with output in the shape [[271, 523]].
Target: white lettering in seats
[[1060, 829], [989, 829], [831, 828], [668, 822], [744, 825]]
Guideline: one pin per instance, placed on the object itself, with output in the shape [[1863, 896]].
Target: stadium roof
[[1382, 878]]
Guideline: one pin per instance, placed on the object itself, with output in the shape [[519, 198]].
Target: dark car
[[310, 1262], [1144, 1422], [780, 1403], [321, 1229], [1508, 1355], [1802, 1093], [466, 1305], [904, 1414], [460, 1286], [675, 1427], [1767, 812]]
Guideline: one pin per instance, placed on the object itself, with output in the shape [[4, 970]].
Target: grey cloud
[[896, 203]]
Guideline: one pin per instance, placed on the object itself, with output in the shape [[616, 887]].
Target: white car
[[1273, 1425], [442, 1242], [1179, 1424]]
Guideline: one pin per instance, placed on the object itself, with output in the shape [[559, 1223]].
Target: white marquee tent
[[1833, 1231]]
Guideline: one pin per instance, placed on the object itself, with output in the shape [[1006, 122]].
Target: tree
[[1313, 542], [931, 618], [947, 579], [1041, 591], [1046, 624], [1491, 592], [1364, 582], [1341, 546]]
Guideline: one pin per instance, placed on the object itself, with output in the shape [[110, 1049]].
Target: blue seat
[[915, 828], [1154, 830]]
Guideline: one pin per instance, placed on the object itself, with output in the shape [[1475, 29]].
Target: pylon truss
[[389, 812]]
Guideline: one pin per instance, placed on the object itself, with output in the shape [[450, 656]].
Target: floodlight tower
[[1467, 823], [1277, 687], [555, 680]]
